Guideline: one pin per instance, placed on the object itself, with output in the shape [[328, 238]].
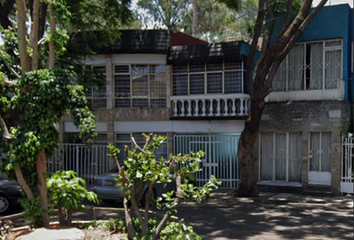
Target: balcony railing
[[211, 105]]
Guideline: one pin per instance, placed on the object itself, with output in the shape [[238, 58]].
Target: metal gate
[[220, 157], [87, 162], [347, 164]]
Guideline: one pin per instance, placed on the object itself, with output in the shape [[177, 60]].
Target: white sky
[[335, 2]]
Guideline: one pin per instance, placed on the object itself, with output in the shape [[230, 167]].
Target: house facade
[[195, 93], [171, 84], [310, 108]]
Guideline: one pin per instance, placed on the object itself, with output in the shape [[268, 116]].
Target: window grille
[[310, 66], [140, 85], [208, 78], [280, 157], [97, 96]]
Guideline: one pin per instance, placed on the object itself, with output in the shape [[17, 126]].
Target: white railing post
[[189, 114], [226, 109], [203, 108], [218, 103], [175, 108], [182, 108], [242, 108], [233, 107]]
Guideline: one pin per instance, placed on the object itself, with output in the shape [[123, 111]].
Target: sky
[[335, 2], [315, 2]]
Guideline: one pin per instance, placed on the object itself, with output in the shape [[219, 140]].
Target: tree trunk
[[176, 203], [128, 220], [195, 18], [5, 9], [247, 184], [22, 182], [42, 186], [51, 57]]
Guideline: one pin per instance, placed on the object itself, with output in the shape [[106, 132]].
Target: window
[[125, 139], [140, 85], [280, 157], [97, 96], [208, 78], [320, 145], [310, 66]]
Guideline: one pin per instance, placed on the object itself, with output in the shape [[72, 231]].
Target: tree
[[166, 13], [260, 77], [142, 168], [207, 19], [42, 91]]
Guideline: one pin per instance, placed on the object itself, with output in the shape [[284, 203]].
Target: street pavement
[[270, 216]]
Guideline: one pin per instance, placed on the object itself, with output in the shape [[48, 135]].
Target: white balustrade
[[211, 105]]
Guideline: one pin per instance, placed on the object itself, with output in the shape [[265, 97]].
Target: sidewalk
[[271, 216]]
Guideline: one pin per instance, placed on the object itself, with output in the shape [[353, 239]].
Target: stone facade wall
[[310, 116]]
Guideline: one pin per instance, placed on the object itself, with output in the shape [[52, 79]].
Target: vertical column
[[218, 109], [109, 82], [175, 112], [189, 114], [203, 108]]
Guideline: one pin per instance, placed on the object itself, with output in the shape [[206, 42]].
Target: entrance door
[[220, 156], [320, 158]]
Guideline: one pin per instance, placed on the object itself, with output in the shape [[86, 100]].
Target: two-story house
[[171, 84], [310, 107]]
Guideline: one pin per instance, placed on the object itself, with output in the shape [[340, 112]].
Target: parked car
[[105, 186], [10, 193]]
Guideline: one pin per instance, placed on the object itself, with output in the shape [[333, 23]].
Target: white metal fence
[[347, 164], [220, 157], [88, 162]]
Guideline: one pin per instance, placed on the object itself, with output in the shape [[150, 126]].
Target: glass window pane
[[214, 67], [314, 64], [280, 157], [197, 67], [296, 68], [140, 86], [266, 157], [233, 65], [233, 82], [121, 69], [214, 81], [140, 69], [180, 85], [333, 68], [122, 85], [180, 69], [197, 84], [158, 69]]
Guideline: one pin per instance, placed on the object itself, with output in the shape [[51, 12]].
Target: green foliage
[[51, 95], [68, 191], [33, 210], [174, 230], [143, 168]]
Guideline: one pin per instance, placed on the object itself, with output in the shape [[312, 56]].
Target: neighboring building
[[310, 107], [172, 84]]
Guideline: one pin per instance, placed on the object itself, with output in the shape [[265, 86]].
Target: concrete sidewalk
[[271, 216]]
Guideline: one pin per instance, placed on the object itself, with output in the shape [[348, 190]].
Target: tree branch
[[9, 67], [14, 84], [5, 130], [176, 202], [51, 57], [253, 49], [34, 34], [21, 34]]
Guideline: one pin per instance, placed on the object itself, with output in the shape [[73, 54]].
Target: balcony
[[211, 105]]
